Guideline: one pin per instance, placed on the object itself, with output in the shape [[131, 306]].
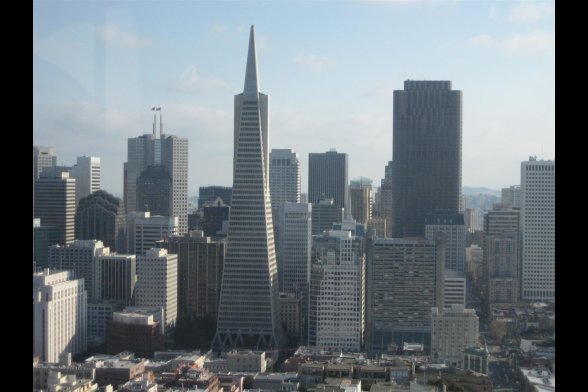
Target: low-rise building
[[537, 380]]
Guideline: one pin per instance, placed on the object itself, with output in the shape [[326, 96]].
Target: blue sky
[[329, 67]]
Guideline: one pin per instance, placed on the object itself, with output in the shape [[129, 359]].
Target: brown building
[[117, 372], [200, 266], [136, 332]]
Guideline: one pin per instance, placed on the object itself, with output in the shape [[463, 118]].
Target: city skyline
[[126, 63]]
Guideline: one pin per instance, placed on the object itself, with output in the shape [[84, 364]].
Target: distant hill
[[473, 191]]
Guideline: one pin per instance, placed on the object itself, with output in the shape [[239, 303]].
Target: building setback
[[426, 152], [86, 172], [54, 202], [248, 311]]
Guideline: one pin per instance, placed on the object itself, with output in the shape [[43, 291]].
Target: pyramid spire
[[251, 81]]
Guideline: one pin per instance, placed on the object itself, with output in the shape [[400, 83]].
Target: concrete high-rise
[[473, 219], [248, 312], [43, 157], [144, 230], [54, 203], [360, 193], [78, 257], [86, 172], [295, 241], [404, 281], [511, 196], [168, 151], [453, 331], [284, 177], [328, 178], [538, 229], [59, 314], [426, 152], [336, 315], [157, 282], [200, 269], [101, 216]]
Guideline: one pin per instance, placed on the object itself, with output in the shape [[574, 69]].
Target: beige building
[[452, 331], [246, 361]]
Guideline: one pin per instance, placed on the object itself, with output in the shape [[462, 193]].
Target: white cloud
[[313, 62], [531, 11], [112, 34], [191, 80], [481, 40], [534, 43]]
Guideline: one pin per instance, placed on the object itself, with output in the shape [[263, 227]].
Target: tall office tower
[[404, 281], [511, 196], [328, 178], [86, 172], [172, 153], [386, 199], [427, 154], [451, 224], [295, 241], [145, 230], [453, 331], [78, 257], [454, 289], [200, 269], [59, 314], [248, 312], [360, 193], [336, 317], [501, 254], [157, 282], [324, 214], [43, 157], [377, 204], [55, 203], [210, 193], [473, 219], [116, 277], [538, 229], [284, 178], [154, 191], [474, 263], [101, 216]]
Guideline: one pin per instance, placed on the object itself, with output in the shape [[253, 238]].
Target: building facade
[[200, 268], [295, 242], [328, 178], [404, 281], [101, 216], [154, 191], [324, 214], [86, 172], [248, 311], [157, 282], [284, 177], [54, 202], [336, 318], [59, 314], [43, 157], [538, 229], [453, 331], [427, 123], [145, 230], [360, 193], [452, 225], [116, 278]]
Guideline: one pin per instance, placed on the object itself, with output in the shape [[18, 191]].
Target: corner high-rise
[[248, 312], [54, 202], [426, 154], [328, 178], [86, 172]]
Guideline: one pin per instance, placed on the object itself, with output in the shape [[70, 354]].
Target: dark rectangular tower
[[328, 177], [426, 152]]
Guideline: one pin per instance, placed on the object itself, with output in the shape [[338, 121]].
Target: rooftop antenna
[[160, 122], [154, 120]]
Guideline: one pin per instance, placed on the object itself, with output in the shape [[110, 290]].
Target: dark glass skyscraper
[[328, 177], [426, 154]]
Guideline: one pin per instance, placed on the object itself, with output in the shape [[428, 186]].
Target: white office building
[[337, 292], [86, 171], [59, 314], [157, 282], [452, 331], [295, 241], [145, 230], [538, 229]]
